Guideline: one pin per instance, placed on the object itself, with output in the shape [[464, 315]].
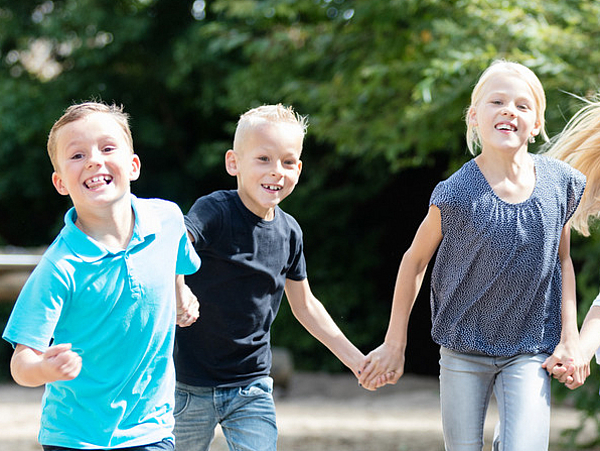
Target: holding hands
[[384, 365], [568, 366], [188, 307], [572, 371]]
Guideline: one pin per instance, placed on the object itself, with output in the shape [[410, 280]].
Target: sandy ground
[[318, 412]]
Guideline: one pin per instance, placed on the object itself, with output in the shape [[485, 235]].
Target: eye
[[76, 156], [263, 158], [108, 149]]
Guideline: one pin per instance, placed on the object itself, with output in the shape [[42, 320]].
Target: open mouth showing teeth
[[95, 182], [508, 127], [272, 187]]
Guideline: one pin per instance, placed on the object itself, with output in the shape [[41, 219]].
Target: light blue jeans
[[246, 415], [521, 388]]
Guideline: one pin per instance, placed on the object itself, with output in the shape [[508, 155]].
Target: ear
[[58, 184], [231, 165], [136, 165], [536, 128], [472, 117], [299, 167]]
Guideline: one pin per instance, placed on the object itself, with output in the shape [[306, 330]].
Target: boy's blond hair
[[267, 113], [579, 145], [527, 75], [81, 110]]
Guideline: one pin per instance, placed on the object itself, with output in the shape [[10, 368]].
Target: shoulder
[[160, 205], [57, 264], [288, 221], [152, 210], [462, 181], [557, 168], [215, 200]]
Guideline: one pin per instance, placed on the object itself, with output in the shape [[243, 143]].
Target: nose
[[95, 158], [509, 110], [276, 168]]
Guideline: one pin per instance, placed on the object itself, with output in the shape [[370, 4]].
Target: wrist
[[395, 344]]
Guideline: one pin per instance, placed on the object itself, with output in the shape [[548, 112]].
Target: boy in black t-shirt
[[251, 252]]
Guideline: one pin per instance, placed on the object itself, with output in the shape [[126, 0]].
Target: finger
[[550, 363], [55, 350], [558, 371], [366, 372]]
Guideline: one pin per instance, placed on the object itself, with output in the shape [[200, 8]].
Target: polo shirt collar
[[145, 227]]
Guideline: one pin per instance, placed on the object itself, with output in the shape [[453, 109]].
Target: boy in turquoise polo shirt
[[95, 322]]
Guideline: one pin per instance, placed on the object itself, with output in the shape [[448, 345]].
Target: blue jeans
[[522, 390], [165, 445], [246, 415]]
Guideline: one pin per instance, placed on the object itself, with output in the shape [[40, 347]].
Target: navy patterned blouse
[[496, 283]]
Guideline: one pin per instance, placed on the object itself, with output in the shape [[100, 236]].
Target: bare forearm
[[569, 302], [590, 333], [32, 368], [408, 284], [27, 369], [317, 321]]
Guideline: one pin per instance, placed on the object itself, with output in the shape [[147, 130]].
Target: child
[[502, 267], [251, 251], [579, 145], [95, 321]]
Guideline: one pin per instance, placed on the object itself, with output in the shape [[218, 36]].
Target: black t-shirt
[[245, 263]]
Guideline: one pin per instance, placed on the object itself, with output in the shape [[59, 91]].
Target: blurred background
[[384, 84]]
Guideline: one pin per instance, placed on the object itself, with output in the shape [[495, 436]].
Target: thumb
[[550, 363]]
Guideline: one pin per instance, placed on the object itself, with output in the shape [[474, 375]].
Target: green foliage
[[385, 84]]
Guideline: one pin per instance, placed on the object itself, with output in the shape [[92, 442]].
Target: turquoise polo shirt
[[117, 309]]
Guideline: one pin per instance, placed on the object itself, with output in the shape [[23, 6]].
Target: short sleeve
[[297, 269], [38, 307], [575, 190], [188, 261], [203, 220], [443, 198]]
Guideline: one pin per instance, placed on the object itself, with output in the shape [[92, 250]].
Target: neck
[[512, 179], [507, 164], [113, 229]]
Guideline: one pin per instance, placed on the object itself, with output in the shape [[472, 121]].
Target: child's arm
[[589, 339], [188, 308], [568, 352], [589, 342], [32, 368], [386, 363], [314, 317]]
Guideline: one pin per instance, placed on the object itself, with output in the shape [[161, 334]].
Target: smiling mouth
[[506, 127], [272, 187], [98, 181]]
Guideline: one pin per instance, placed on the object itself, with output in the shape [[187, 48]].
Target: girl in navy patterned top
[[503, 284]]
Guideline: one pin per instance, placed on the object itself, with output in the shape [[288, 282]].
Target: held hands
[[384, 365], [568, 366], [188, 307], [60, 363]]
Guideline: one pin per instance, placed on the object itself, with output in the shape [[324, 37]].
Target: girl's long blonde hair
[[579, 145]]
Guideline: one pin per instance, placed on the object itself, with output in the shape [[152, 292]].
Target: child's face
[[94, 162], [506, 115], [267, 165]]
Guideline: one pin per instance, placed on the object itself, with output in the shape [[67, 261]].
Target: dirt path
[[319, 412]]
